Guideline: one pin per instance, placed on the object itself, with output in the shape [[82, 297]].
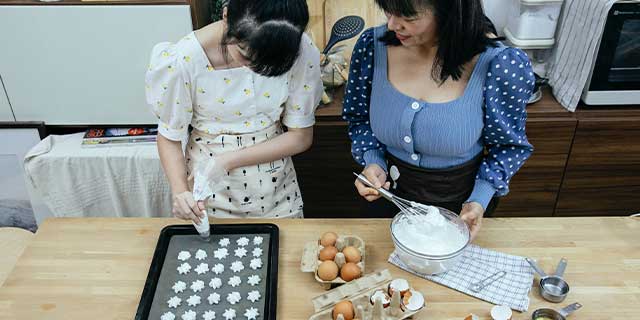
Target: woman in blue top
[[437, 103]]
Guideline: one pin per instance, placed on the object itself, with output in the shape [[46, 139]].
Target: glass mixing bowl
[[425, 263]]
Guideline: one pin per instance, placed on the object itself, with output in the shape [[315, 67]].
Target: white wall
[[498, 11], [5, 109], [83, 64]]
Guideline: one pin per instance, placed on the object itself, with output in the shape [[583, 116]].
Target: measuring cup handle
[[561, 267], [570, 309], [535, 267]]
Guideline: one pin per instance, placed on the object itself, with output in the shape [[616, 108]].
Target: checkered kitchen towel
[[479, 263]]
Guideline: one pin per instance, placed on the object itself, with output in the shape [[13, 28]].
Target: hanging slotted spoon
[[345, 28]]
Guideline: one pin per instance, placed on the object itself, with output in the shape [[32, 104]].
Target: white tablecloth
[[121, 181]]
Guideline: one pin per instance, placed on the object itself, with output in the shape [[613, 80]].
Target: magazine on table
[[99, 137]]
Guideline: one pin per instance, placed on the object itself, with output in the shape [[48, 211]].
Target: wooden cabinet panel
[[534, 189], [325, 174], [603, 172]]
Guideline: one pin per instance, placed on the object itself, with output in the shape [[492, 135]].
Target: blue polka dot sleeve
[[507, 89], [365, 147]]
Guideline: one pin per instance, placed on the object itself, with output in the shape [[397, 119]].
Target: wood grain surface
[[95, 268]]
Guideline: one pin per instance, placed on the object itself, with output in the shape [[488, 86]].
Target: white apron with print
[[266, 190]]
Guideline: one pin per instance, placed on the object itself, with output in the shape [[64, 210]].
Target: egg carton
[[359, 292], [310, 261]]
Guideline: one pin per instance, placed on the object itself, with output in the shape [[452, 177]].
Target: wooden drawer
[[325, 174], [603, 171], [535, 187]]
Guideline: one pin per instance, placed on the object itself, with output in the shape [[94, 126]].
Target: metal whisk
[[406, 206]]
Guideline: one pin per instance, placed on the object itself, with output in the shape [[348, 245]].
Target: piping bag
[[201, 191]]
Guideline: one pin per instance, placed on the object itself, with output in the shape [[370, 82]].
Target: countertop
[[547, 108], [95, 268]]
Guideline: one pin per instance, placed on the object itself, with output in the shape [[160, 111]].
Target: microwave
[[614, 78]]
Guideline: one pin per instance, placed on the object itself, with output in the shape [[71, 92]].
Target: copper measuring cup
[[552, 288]]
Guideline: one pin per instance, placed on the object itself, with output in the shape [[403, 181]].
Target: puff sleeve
[[168, 90], [305, 87], [365, 147], [508, 86]]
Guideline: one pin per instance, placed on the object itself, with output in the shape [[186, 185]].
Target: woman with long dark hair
[[236, 82], [436, 108]]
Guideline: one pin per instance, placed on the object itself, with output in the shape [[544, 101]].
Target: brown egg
[[328, 253], [345, 308], [350, 271], [352, 254], [329, 239], [328, 270]]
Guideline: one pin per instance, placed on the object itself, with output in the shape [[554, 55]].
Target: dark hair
[[463, 31], [270, 30]]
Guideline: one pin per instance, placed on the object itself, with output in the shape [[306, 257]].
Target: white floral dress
[[230, 109]]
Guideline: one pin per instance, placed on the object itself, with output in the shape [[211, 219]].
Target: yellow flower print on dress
[[189, 110], [267, 95], [188, 85], [306, 87], [170, 68], [263, 123], [160, 104], [165, 53], [187, 58], [216, 118], [297, 107], [247, 124], [238, 113], [227, 80], [200, 90], [247, 92], [221, 100], [209, 67], [165, 86]]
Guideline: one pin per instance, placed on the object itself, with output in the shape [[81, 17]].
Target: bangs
[[402, 8]]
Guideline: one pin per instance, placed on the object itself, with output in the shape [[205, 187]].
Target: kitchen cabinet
[[5, 108], [534, 189], [83, 64], [603, 171], [584, 163]]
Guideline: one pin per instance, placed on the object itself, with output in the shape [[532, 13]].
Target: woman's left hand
[[472, 214]]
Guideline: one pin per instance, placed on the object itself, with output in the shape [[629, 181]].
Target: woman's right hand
[[376, 175], [185, 207]]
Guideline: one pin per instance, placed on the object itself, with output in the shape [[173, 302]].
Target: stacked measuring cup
[[553, 288]]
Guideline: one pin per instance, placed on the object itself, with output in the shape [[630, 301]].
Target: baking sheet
[[164, 272]]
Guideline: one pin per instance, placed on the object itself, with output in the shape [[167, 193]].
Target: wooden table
[[95, 268]]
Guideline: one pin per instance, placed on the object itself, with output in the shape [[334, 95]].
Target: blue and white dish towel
[[478, 263]]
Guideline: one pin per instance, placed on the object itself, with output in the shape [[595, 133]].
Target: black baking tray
[[146, 300]]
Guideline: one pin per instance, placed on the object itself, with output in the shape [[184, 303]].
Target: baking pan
[[175, 238]]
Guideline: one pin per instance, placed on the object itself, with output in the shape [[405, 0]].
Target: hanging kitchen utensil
[[345, 28]]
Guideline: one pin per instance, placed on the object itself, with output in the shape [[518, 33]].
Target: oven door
[[617, 66]]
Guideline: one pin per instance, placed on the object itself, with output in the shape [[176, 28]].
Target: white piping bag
[[201, 191]]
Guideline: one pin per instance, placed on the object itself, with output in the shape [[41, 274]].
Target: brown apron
[[447, 188]]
